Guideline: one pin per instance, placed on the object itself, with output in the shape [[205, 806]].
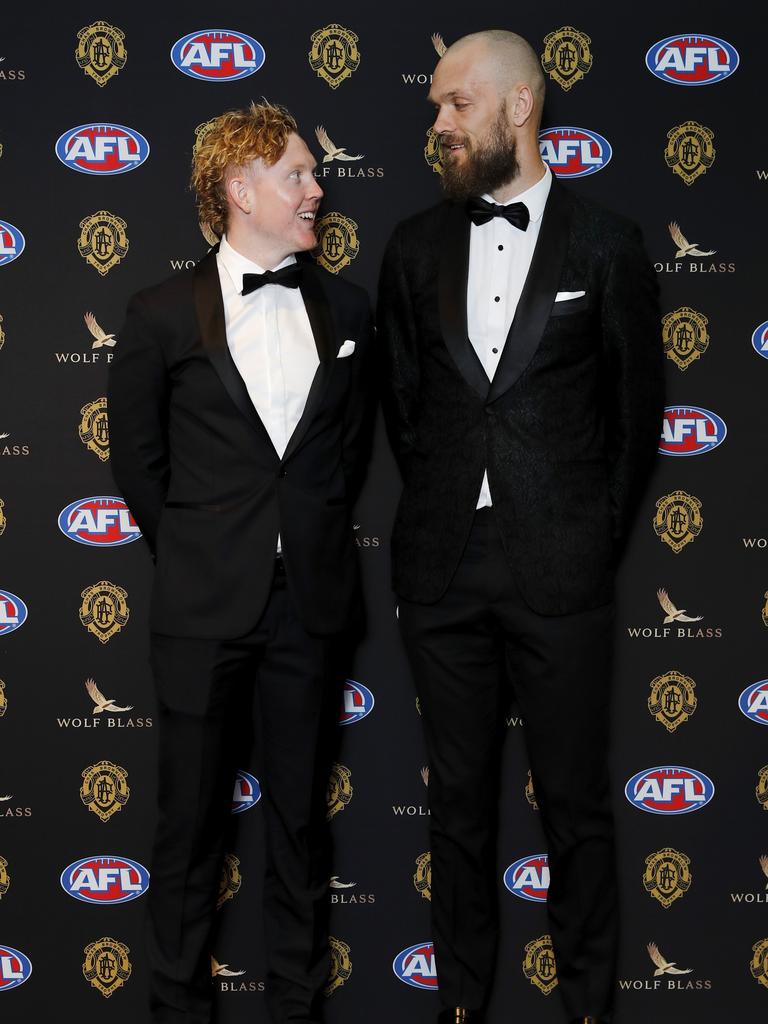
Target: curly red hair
[[234, 139]]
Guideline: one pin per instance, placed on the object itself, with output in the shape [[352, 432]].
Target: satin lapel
[[452, 297], [210, 317], [538, 293], [321, 322]]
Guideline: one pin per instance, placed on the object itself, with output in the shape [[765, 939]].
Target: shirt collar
[[236, 264], [535, 197]]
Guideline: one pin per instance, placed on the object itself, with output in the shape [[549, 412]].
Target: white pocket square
[[346, 349], [564, 296]]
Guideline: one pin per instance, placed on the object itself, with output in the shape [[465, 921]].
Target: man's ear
[[238, 192], [522, 106]]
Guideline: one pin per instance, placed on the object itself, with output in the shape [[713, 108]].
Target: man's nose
[[442, 122]]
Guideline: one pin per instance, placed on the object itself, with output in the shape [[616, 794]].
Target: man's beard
[[485, 169]]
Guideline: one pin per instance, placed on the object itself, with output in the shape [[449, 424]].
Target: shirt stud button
[[495, 351], [500, 248], [497, 298]]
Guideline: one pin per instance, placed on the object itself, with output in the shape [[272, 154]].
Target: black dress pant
[[466, 651], [205, 691]]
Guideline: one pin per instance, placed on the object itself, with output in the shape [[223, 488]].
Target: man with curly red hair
[[240, 406]]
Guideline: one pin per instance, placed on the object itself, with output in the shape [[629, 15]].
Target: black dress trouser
[[466, 651], [205, 691]]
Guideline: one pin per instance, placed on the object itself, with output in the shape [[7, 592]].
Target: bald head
[[505, 58]]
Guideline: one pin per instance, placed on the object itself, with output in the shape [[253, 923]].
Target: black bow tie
[[289, 276], [480, 212]]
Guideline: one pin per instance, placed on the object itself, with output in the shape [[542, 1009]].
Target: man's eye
[[460, 106]]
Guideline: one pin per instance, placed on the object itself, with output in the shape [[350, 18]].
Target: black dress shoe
[[458, 1015]]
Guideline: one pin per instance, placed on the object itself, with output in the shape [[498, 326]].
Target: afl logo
[[357, 702], [11, 243], [688, 430], [574, 152], [416, 966], [754, 702], [101, 522], [760, 340], [247, 792], [669, 789], [102, 149], [217, 55], [105, 880], [692, 60], [15, 968], [13, 612], [528, 878]]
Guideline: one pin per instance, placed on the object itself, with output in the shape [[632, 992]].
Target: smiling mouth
[[307, 215]]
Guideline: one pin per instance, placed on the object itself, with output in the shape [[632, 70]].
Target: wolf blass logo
[[9, 810], [345, 893], [677, 616], [755, 897], [11, 449], [668, 976], [685, 250], [221, 971], [99, 340], [8, 74], [413, 810], [101, 704], [339, 163]]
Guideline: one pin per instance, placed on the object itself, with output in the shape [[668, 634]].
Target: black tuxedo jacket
[[200, 474], [567, 428]]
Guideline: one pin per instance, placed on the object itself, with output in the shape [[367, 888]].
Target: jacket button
[[282, 473]]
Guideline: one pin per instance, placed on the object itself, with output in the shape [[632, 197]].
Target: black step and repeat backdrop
[[647, 112]]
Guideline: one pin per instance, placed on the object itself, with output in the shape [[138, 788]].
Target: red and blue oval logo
[[760, 340], [15, 968], [217, 55], [416, 966], [11, 243], [13, 612], [753, 702], [689, 430], [247, 792], [356, 702], [101, 522], [692, 59], [669, 789], [102, 148], [105, 879], [574, 152], [528, 878]]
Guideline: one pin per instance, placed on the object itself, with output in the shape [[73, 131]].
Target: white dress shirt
[[499, 260], [271, 341]]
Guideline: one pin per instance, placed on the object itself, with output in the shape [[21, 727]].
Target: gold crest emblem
[[334, 54], [432, 151], [422, 878], [230, 880], [337, 242], [103, 241], [341, 965], [106, 965], [5, 878], [539, 964], [764, 611], [94, 428], [200, 133], [690, 150], [104, 610], [2, 517], [684, 335], [101, 52], [339, 789], [566, 57], [758, 965], [667, 875], [672, 700], [530, 796], [2, 332], [678, 520], [761, 789], [3, 699], [105, 789]]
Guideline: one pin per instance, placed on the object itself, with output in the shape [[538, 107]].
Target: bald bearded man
[[523, 397]]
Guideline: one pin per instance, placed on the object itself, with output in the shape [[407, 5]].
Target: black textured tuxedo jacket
[[201, 476], [569, 425]]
